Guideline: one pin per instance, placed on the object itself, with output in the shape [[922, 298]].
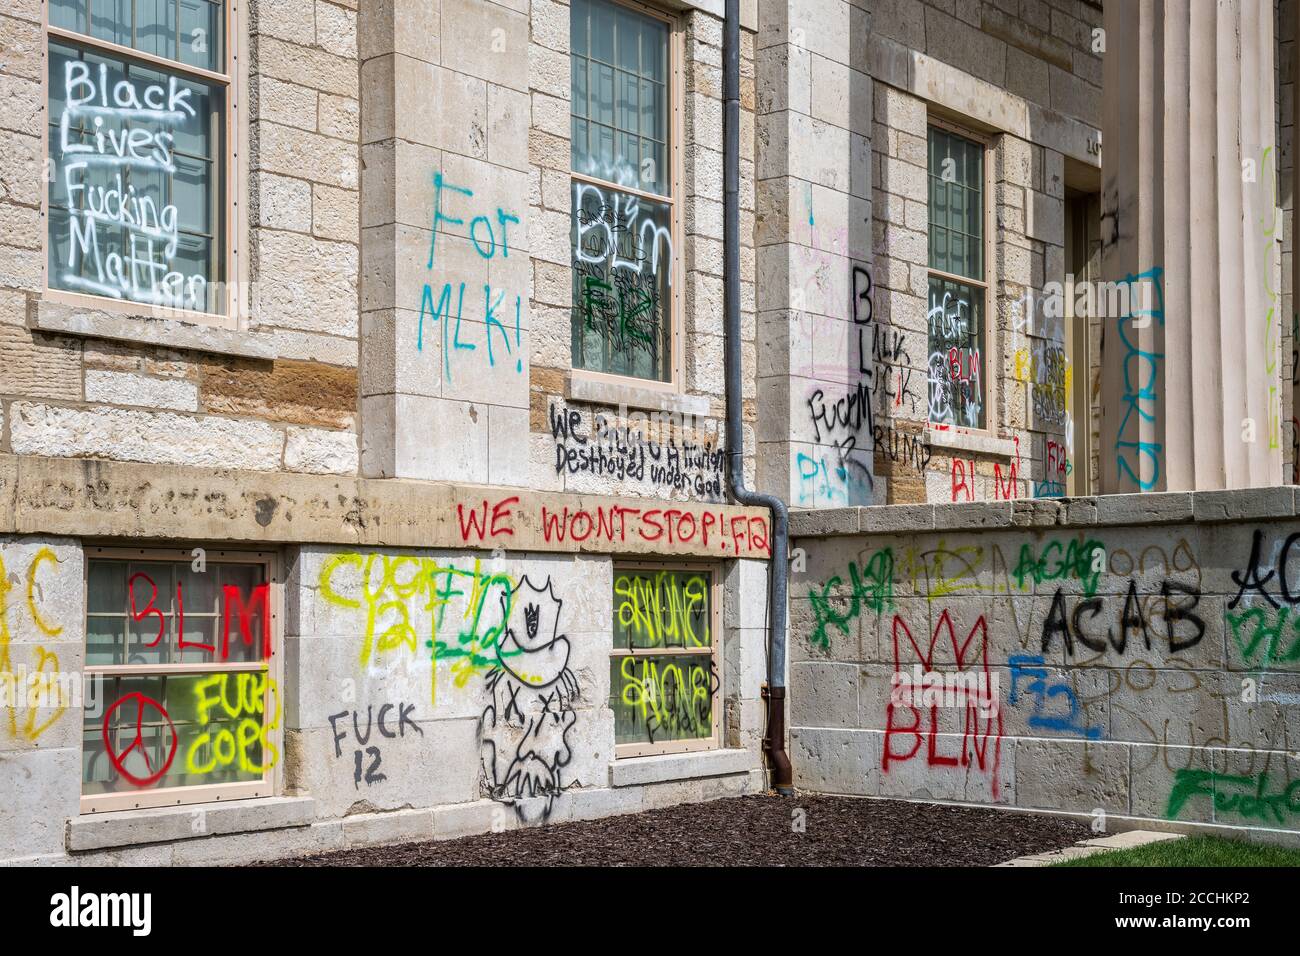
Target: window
[[139, 131], [624, 158], [959, 289], [663, 672], [187, 707]]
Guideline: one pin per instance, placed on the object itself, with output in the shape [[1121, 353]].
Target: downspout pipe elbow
[[778, 591]]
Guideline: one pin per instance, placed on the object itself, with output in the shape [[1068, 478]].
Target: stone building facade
[[362, 459]]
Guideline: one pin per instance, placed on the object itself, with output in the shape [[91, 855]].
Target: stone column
[[1191, 386], [814, 234], [446, 275]]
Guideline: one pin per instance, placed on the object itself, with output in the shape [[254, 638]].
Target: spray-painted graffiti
[[24, 690], [125, 145], [162, 729], [418, 605], [368, 758], [1237, 797], [665, 452], [956, 364], [980, 731], [1130, 671], [500, 318], [525, 726], [622, 281], [663, 698], [850, 426], [1137, 460], [1063, 716]]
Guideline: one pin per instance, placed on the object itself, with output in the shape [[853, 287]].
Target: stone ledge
[[1184, 507], [976, 444], [86, 498], [99, 831], [661, 768], [142, 328], [617, 394]]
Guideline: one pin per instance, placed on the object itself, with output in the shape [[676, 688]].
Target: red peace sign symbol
[[118, 758]]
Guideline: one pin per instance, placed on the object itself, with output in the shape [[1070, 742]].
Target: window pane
[[956, 337], [202, 34], [654, 609], [658, 698], [155, 27], [137, 194], [179, 731], [151, 26], [148, 613], [623, 89], [622, 267], [956, 195], [68, 14], [111, 20]]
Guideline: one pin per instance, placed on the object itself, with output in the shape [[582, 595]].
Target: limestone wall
[[1142, 653]]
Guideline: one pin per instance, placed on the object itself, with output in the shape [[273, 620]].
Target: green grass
[[1192, 851]]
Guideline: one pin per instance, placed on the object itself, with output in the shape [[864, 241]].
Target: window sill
[[975, 442], [617, 394], [142, 328], [662, 768], [116, 828]]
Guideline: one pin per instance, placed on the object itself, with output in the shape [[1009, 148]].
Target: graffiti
[[367, 758], [44, 682], [1045, 368], [1131, 643], [496, 313], [662, 609], [524, 729], [980, 731], [1136, 459], [872, 588], [1251, 580], [740, 535], [903, 447], [1133, 620], [1033, 670], [226, 746], [400, 592], [117, 142], [623, 266], [1248, 797], [1266, 638], [138, 706], [632, 454], [956, 365], [664, 698], [848, 430]]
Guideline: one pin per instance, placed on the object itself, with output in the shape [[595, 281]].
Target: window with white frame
[[139, 201], [625, 209], [664, 674], [958, 280], [180, 647]]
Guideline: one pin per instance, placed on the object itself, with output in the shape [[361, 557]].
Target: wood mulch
[[759, 830]]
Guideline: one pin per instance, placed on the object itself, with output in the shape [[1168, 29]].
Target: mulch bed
[[746, 831]]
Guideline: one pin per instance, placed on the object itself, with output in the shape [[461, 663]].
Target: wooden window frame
[[272, 781], [991, 428], [695, 745], [236, 299], [674, 198]]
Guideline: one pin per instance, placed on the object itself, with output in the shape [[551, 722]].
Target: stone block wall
[[1140, 656], [844, 310], [137, 389], [510, 723]]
